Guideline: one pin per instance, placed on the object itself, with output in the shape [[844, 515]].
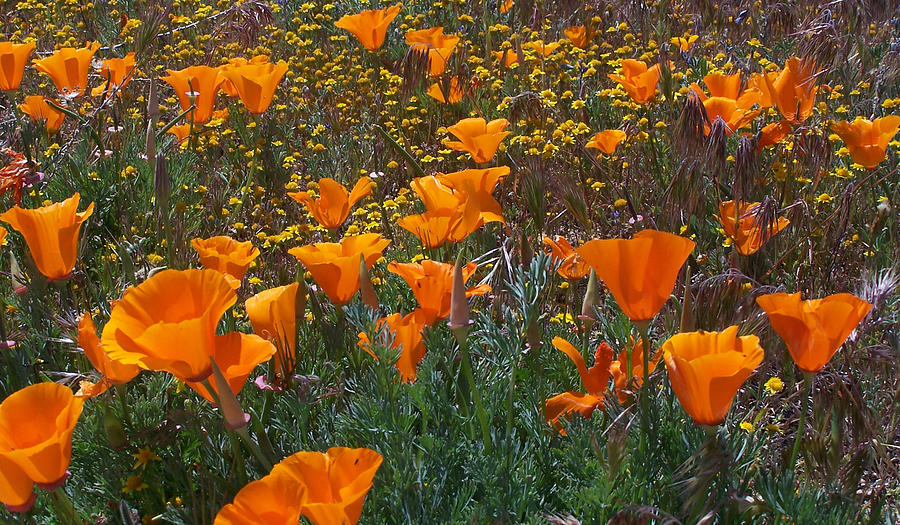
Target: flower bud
[[235, 417]]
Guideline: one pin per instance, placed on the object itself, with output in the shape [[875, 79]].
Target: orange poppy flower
[[684, 44], [455, 92], [506, 6], [638, 80], [112, 372], [606, 141], [332, 207], [276, 499], [595, 381], [406, 333], [168, 322], [116, 74], [619, 368], [38, 109], [438, 45], [227, 86], [434, 228], [793, 91], [226, 255], [507, 57], [572, 266], [16, 488], [867, 139], [726, 101], [197, 85], [335, 267], [813, 330], [772, 134], [538, 47], [640, 272], [51, 233], [236, 355], [336, 482], [475, 188], [431, 283], [255, 83], [273, 314], [706, 370], [36, 426], [68, 68], [478, 138], [13, 58], [369, 27], [580, 36], [744, 230]]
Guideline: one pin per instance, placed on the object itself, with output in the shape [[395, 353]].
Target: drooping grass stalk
[[804, 408]]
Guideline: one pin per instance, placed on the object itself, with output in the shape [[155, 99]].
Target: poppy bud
[[235, 417], [150, 147], [591, 299], [459, 324], [366, 289]]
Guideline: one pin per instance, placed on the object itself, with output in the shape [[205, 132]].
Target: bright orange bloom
[[255, 83], [438, 45], [507, 57], [434, 228], [638, 80], [226, 255], [867, 139], [335, 267], [13, 58], [506, 6], [572, 266], [276, 499], [478, 138], [619, 368], [726, 101], [706, 370], [197, 85], [336, 482], [17, 173], [455, 92], [744, 230], [332, 207], [68, 68], [16, 488], [763, 82], [51, 233], [580, 36], [794, 89], [273, 314], [38, 109], [36, 426], [640, 272], [227, 87], [236, 354], [431, 283], [594, 379], [606, 141], [813, 330], [116, 74], [538, 47], [112, 372], [369, 27], [168, 322], [684, 44], [772, 134], [475, 188], [406, 333]]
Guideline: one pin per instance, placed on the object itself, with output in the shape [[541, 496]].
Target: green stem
[[121, 394], [807, 391], [254, 448], [63, 507], [476, 396], [401, 150]]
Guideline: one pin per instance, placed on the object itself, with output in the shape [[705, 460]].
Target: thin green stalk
[[807, 391], [476, 396], [254, 448], [401, 150], [63, 507]]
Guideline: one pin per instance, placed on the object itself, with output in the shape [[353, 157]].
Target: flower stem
[[254, 448], [63, 507], [807, 392], [476, 396]]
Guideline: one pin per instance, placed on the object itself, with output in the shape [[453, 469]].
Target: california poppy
[[226, 255], [580, 36], [116, 74], [571, 266], [475, 188], [684, 44], [638, 80], [793, 91], [813, 330], [507, 57], [478, 138], [273, 314], [538, 47], [706, 370], [867, 139], [276, 499], [336, 482], [640, 272], [68, 68], [332, 207], [606, 141], [744, 230], [335, 266], [772, 134], [435, 227], [197, 86], [406, 333], [595, 381], [16, 488], [112, 372], [18, 173], [370, 26], [227, 87], [236, 354], [255, 83], [453, 90], [619, 367], [431, 283], [13, 58], [506, 6], [51, 233], [38, 109], [726, 101], [438, 46], [36, 426]]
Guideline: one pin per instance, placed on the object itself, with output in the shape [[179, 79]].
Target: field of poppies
[[511, 261]]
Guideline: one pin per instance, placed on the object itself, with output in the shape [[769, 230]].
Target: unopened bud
[[235, 417], [591, 300], [366, 289], [459, 324]]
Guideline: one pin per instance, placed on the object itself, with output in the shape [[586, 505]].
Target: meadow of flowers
[[511, 261]]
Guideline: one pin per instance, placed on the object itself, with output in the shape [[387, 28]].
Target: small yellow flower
[[747, 426], [134, 484], [774, 385], [144, 456]]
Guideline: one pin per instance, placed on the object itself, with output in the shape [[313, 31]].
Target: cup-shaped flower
[[507, 57], [478, 138], [706, 370], [431, 283], [794, 89], [404, 333], [619, 368], [51, 233], [116, 74], [541, 49], [112, 372], [227, 87], [236, 355], [273, 314], [13, 58], [764, 82], [435, 228], [336, 482], [640, 272], [39, 110], [867, 139], [438, 46], [332, 207], [594, 379], [727, 102], [580, 36], [450, 92], [197, 86], [745, 229], [255, 83], [772, 134], [36, 426], [606, 141], [370, 26], [638, 80], [474, 188], [16, 488], [813, 330], [226, 255], [168, 322], [571, 265], [335, 266], [68, 68], [276, 499]]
